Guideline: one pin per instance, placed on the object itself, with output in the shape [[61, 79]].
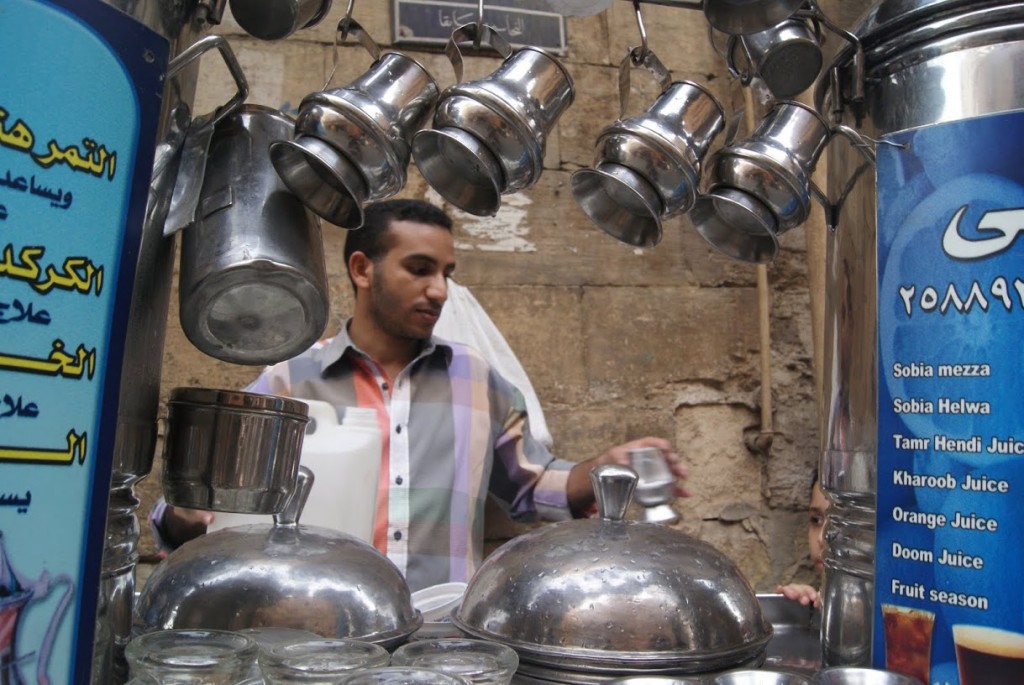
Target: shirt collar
[[334, 350]]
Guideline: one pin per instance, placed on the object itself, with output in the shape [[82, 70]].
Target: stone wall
[[619, 342]]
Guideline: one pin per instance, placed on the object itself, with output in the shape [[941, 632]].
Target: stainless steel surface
[[460, 163], [353, 143], [253, 283], [786, 57], [655, 487], [660, 150], [511, 112], [759, 677], [775, 162], [231, 451], [736, 224], [772, 168], [863, 676], [794, 648], [612, 596], [277, 19], [196, 146], [655, 680], [284, 575], [925, 62], [141, 365], [796, 641], [748, 16], [621, 202]]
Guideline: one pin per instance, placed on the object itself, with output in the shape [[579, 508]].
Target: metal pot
[[253, 285], [231, 451], [614, 596], [283, 575]]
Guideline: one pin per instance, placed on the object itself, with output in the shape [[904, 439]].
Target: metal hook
[[479, 25], [349, 26], [638, 58]]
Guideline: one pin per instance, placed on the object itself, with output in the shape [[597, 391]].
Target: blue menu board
[[949, 608], [80, 89]]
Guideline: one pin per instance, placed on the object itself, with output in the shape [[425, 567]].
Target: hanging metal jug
[[489, 135], [761, 187], [648, 166], [253, 284], [352, 144], [748, 16]]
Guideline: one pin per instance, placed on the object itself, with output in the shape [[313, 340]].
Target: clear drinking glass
[[192, 657], [402, 675], [478, 661], [318, 662]]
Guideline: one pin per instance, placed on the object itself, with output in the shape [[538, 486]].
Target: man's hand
[[181, 525], [580, 491]]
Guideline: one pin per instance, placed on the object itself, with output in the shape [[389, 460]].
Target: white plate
[[437, 601]]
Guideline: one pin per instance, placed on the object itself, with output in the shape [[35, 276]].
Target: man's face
[[409, 284]]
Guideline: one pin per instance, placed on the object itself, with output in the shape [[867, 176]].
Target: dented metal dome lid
[[616, 596]]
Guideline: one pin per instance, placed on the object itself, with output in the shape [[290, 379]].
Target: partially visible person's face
[[816, 523], [409, 285]]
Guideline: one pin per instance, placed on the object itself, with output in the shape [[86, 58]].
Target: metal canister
[[919, 64]]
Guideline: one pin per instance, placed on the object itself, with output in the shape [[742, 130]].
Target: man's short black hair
[[372, 237]]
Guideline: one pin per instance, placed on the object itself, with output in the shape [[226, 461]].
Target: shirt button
[[398, 428], [384, 386], [398, 535], [398, 481]]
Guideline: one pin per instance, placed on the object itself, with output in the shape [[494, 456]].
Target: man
[[454, 430]]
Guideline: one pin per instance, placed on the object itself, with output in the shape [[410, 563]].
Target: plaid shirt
[[453, 431]]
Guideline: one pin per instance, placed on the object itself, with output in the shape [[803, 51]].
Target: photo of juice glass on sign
[[908, 640], [988, 656]]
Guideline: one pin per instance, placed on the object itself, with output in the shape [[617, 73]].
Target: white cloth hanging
[[464, 320]]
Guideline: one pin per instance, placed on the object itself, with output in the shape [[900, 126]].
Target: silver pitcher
[[740, 17], [253, 283], [352, 144], [489, 135], [648, 166], [761, 187], [276, 19], [786, 57]]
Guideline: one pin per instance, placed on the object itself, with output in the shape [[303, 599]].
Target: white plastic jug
[[345, 460]]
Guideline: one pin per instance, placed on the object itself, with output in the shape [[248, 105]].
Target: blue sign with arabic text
[[79, 104], [950, 532]]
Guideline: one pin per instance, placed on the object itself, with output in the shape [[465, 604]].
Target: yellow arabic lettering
[[91, 161], [58, 362], [71, 278], [18, 136], [56, 155], [28, 269], [86, 361], [35, 455]]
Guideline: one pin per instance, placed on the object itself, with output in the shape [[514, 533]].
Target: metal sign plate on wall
[[521, 22]]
